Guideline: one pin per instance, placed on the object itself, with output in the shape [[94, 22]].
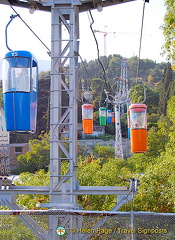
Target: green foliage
[[98, 173], [106, 137], [11, 227], [96, 117], [40, 178], [152, 119], [170, 109], [99, 168], [155, 76], [158, 137], [103, 152], [1, 98], [149, 73], [39, 156], [152, 97], [138, 163], [154, 169], [97, 86], [166, 85], [168, 30], [156, 192], [96, 83], [43, 102]]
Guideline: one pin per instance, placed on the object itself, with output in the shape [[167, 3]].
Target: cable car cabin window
[[138, 118], [34, 78], [87, 113], [16, 74], [103, 113]]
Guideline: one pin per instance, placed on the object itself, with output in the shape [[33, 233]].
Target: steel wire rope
[[137, 76], [88, 74], [106, 80], [140, 46], [98, 51], [30, 29]]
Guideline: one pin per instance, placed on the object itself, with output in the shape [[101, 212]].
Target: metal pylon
[[118, 133], [63, 112], [63, 105], [121, 98]]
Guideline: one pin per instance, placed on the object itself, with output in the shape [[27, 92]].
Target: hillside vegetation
[[154, 169], [152, 74], [91, 76]]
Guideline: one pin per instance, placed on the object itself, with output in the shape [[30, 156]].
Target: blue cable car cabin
[[20, 87]]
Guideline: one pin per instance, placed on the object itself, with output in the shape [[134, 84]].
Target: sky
[[123, 19]]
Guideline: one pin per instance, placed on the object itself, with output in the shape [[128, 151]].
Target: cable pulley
[[86, 97]]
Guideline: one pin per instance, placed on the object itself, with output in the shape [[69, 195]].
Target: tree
[[152, 97], [145, 66], [171, 116], [43, 103], [36, 159], [101, 173], [97, 86], [155, 75], [154, 169], [165, 89], [158, 137], [156, 191], [39, 178], [158, 180], [170, 109], [168, 30], [115, 66]]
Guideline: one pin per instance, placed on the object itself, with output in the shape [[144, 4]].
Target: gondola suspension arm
[[6, 38]]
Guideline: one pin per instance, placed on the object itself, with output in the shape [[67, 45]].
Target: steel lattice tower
[[121, 97]]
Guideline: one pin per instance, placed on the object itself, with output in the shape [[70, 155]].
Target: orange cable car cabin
[[138, 127], [87, 118], [113, 117]]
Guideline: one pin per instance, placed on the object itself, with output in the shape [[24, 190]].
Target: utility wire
[[30, 29]]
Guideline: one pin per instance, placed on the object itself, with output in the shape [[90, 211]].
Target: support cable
[[140, 46], [30, 29], [88, 74], [98, 54]]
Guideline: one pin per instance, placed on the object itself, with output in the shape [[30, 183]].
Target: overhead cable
[[98, 53], [140, 45], [89, 76], [30, 29]]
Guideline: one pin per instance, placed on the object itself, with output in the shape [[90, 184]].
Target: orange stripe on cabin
[[87, 126], [138, 140]]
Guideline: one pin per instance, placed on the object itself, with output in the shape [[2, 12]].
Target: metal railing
[[83, 225]]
